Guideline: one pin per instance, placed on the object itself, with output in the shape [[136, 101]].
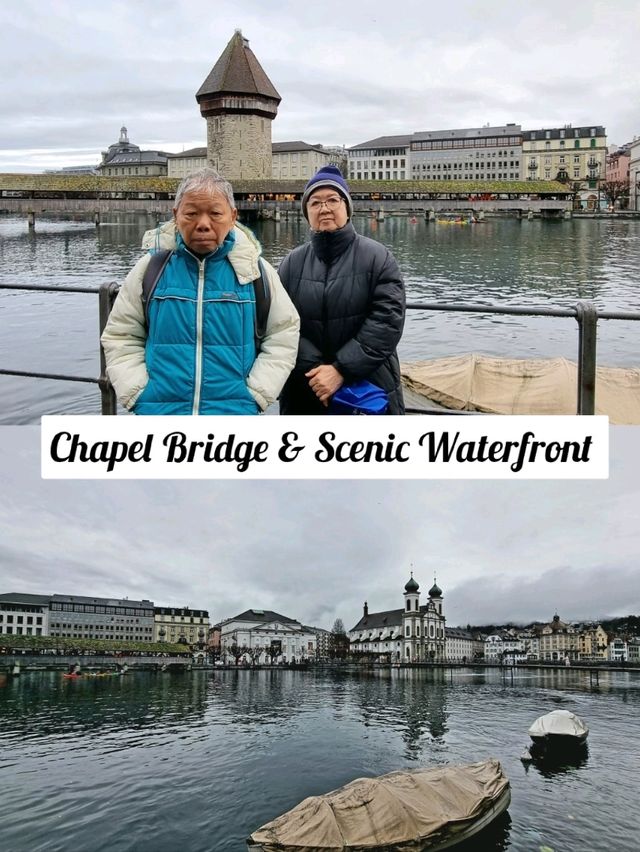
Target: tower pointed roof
[[237, 72]]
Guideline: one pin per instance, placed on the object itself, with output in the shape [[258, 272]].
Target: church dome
[[411, 586], [435, 591]]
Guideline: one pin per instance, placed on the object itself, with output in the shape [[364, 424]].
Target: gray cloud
[[76, 76]]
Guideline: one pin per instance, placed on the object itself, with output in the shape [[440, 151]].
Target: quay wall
[[35, 662], [163, 207]]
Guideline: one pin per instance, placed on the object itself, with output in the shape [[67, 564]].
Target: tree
[[338, 641], [616, 190], [255, 653]]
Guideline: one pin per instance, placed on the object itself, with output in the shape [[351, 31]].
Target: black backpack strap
[[263, 304], [152, 273]]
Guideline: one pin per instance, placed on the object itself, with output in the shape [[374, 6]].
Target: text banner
[[331, 447]]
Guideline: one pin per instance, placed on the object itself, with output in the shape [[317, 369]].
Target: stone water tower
[[239, 103]]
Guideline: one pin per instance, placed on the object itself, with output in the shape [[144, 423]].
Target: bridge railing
[[585, 313]]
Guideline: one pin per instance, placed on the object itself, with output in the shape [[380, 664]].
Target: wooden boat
[[492, 385], [560, 729], [72, 675], [425, 809], [457, 220]]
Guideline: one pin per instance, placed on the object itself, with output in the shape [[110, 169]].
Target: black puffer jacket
[[349, 293]]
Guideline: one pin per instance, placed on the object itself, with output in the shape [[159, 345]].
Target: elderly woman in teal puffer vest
[[193, 351]]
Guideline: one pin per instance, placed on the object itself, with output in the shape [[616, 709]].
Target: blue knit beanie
[[330, 176]]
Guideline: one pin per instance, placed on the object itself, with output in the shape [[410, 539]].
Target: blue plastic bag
[[359, 398]]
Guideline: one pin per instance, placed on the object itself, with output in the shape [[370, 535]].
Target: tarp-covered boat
[[559, 726], [422, 809], [475, 382]]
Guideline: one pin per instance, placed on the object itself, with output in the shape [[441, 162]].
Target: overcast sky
[[73, 72], [315, 551]]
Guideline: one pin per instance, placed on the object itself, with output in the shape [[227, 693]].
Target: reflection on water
[[158, 761], [502, 261]]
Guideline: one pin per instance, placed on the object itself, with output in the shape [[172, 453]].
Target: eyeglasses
[[331, 203]]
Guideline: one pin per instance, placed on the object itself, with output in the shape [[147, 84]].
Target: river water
[[502, 261], [196, 761]]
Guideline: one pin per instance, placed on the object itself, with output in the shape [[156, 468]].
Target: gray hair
[[208, 180]]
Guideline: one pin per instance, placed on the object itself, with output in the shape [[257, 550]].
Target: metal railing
[[106, 297], [585, 313]]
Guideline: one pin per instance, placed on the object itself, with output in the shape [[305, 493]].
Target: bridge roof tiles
[[160, 184]]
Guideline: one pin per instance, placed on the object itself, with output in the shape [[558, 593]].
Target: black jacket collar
[[329, 245]]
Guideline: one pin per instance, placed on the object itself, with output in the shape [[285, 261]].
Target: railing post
[[106, 297], [587, 317]]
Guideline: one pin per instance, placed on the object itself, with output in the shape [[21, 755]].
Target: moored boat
[[559, 728], [492, 385], [457, 220], [426, 809]]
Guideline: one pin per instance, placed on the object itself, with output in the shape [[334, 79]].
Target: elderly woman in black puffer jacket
[[349, 293]]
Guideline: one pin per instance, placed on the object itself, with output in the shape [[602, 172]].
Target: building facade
[[24, 615], [264, 636], [323, 642], [617, 168], [415, 633], [558, 641], [461, 646], [576, 155], [239, 102], [80, 617], [181, 624], [475, 153], [186, 162], [124, 159], [634, 175], [592, 643], [383, 158], [298, 160]]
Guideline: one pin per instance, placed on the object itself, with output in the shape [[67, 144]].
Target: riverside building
[[634, 175], [180, 624], [415, 633], [475, 153], [298, 160], [123, 158], [573, 154], [264, 636], [186, 162], [461, 645], [24, 615], [81, 617], [383, 158]]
